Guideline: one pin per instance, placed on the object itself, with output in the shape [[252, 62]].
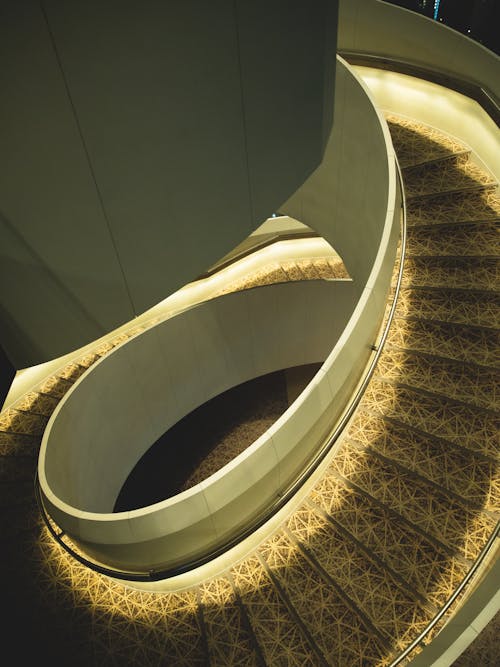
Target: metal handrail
[[284, 497]]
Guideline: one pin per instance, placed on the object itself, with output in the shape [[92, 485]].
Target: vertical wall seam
[[87, 155], [243, 113]]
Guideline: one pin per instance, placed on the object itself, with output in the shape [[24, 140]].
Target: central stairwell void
[[211, 436]]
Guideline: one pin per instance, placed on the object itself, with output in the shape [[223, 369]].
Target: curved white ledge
[[125, 402], [381, 29]]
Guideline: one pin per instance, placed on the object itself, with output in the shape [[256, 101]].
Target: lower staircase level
[[380, 542]]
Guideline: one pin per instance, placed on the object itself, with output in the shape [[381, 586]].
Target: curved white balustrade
[[433, 104], [380, 29], [125, 402]]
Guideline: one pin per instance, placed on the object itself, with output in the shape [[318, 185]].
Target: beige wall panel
[[60, 280], [189, 149]]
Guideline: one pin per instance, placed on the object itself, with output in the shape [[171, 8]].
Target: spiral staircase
[[379, 543]]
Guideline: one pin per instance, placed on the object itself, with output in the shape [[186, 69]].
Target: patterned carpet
[[381, 541]]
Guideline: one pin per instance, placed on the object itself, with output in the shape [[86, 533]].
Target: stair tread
[[415, 142], [437, 513], [448, 175], [413, 555], [449, 271], [473, 239], [467, 425], [481, 203], [477, 307], [455, 469], [458, 341]]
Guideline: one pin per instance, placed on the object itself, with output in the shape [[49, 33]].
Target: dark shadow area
[[7, 374], [477, 19], [207, 438]]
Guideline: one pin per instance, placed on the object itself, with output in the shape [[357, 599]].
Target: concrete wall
[[140, 143]]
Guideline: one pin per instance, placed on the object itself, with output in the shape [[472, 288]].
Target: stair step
[[17, 421], [281, 639], [230, 640], [460, 342], [436, 513], [309, 270], [171, 625], [469, 383], [294, 528], [440, 416], [56, 386], [318, 268], [19, 444], [459, 156], [430, 199], [37, 403], [292, 270], [72, 372], [388, 608], [474, 239], [329, 269], [446, 304], [455, 469], [451, 174], [299, 576], [416, 143], [457, 272], [91, 357], [414, 556], [482, 203]]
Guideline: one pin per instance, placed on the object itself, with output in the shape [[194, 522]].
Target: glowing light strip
[[436, 9]]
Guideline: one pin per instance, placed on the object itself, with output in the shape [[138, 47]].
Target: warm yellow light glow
[[162, 620], [193, 293], [440, 107]]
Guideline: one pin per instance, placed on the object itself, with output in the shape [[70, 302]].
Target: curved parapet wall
[[130, 398], [118, 409], [437, 106], [380, 29], [349, 195]]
